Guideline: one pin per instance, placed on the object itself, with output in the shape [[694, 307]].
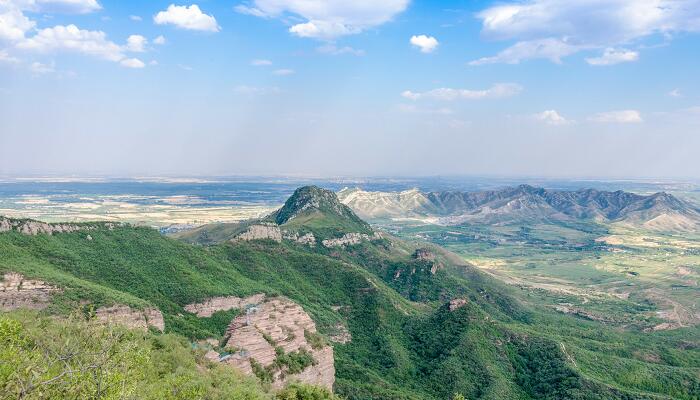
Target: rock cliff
[[276, 327], [207, 308], [18, 292], [131, 318], [261, 231], [29, 227], [351, 239]]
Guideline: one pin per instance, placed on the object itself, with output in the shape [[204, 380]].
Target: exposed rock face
[[261, 231], [308, 239], [18, 292], [131, 318], [351, 239], [278, 322], [210, 306], [428, 256], [36, 227], [457, 303]]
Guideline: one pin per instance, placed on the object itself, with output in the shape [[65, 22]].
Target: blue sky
[[577, 88]]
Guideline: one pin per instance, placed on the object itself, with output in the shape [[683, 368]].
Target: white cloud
[[675, 93], [551, 117], [136, 43], [135, 18], [613, 56], [621, 117], [40, 69], [336, 51], [13, 23], [499, 90], [283, 71], [327, 19], [426, 44], [132, 63], [585, 24], [550, 49], [260, 63], [72, 39], [187, 17], [160, 40]]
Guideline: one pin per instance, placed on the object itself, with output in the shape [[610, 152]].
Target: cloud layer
[[327, 19], [553, 29]]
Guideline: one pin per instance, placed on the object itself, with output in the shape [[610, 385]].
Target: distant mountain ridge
[[660, 211]]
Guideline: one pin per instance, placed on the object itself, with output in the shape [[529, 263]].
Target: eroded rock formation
[[273, 326], [131, 318], [29, 227], [308, 239], [18, 292], [351, 239], [261, 231], [210, 306]]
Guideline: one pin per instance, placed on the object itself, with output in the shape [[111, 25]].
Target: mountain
[[311, 215], [365, 313], [318, 210], [660, 211]]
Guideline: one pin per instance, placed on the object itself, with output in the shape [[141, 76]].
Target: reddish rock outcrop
[[210, 306], [457, 303], [131, 318], [18, 292], [278, 322]]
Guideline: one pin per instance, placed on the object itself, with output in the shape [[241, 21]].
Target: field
[[617, 275]]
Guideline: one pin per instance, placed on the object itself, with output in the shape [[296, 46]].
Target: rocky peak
[[309, 199]]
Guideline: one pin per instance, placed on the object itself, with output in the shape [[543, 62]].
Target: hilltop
[[524, 203], [311, 215]]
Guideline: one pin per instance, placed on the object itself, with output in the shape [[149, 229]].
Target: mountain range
[[524, 203], [311, 294]]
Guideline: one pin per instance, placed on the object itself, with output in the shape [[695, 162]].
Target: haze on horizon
[[579, 88]]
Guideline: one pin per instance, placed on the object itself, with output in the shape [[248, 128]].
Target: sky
[[548, 88]]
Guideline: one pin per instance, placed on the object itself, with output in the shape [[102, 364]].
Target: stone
[[260, 232], [131, 318], [351, 239], [278, 322], [18, 292], [214, 304]]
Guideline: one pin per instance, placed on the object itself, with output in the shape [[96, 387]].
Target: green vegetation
[[503, 343], [318, 211], [297, 391], [43, 358]]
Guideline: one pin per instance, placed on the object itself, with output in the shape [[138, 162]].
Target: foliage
[[298, 391], [75, 358]]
